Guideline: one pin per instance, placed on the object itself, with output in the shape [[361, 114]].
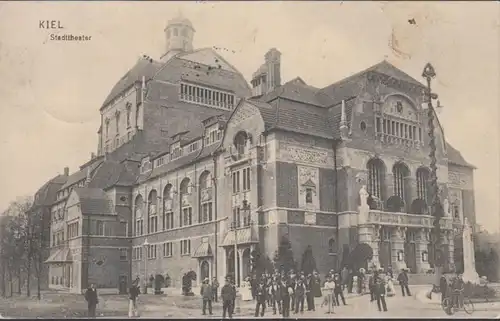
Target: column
[[368, 234], [398, 246], [240, 266], [451, 249], [421, 247]]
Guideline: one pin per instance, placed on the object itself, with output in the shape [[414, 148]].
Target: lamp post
[[436, 208], [146, 244]]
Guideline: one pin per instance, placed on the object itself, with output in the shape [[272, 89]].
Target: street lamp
[[436, 208], [146, 244]]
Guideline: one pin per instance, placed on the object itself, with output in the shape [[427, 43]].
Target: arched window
[[423, 184], [107, 127], [205, 195], [186, 211], [376, 176], [167, 218], [400, 172], [152, 212], [138, 227], [331, 246], [240, 141], [117, 123]]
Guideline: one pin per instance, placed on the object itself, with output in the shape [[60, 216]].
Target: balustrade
[[403, 219]]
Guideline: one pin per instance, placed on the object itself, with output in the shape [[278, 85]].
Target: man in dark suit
[[380, 294], [92, 300], [403, 282], [228, 296]]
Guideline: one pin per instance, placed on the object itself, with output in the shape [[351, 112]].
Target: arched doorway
[[230, 266], [246, 263], [204, 270]]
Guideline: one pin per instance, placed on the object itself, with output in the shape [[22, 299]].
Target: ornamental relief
[[303, 155]]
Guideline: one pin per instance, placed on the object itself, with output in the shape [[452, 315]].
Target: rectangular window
[[167, 249], [246, 179], [152, 251], [187, 216], [237, 182], [99, 228], [420, 134], [377, 122], [168, 221], [123, 255], [153, 224], [185, 247], [206, 212]]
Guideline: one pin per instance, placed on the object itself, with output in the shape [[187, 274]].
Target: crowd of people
[[289, 293]]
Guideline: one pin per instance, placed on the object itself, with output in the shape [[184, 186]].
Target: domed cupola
[[179, 35]]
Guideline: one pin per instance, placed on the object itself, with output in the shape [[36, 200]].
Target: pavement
[[175, 306]]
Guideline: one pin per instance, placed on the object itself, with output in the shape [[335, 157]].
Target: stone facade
[[196, 182]]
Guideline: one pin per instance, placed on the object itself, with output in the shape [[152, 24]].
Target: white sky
[[50, 93]]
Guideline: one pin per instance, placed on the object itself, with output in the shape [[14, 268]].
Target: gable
[[209, 57], [73, 199]]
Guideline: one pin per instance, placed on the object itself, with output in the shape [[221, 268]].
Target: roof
[[143, 68], [203, 250], [60, 256], [46, 194], [180, 20], [245, 236], [81, 174], [297, 90], [456, 158], [295, 117], [179, 69], [94, 201]]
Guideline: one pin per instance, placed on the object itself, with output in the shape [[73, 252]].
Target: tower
[[179, 35]]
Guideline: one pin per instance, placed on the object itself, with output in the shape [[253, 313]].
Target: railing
[[404, 219]]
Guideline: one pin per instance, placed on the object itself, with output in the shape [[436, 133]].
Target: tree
[[308, 262], [283, 258]]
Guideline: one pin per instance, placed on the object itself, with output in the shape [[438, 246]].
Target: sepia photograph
[[253, 159]]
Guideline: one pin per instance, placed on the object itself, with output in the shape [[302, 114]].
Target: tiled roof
[[94, 201], [456, 158], [60, 256], [291, 116], [80, 175], [106, 175], [177, 69], [295, 90], [143, 67], [203, 250], [46, 194]]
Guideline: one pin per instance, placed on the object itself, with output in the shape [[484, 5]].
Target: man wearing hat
[[228, 296], [207, 296], [403, 282], [133, 294]]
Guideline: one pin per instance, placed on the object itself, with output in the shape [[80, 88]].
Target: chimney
[[273, 63], [66, 171]]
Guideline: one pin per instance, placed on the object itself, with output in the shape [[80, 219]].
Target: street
[[59, 305]]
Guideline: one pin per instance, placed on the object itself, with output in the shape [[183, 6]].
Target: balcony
[[407, 220]]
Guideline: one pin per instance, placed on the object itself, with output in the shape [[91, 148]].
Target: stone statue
[[363, 196], [470, 273], [446, 207]]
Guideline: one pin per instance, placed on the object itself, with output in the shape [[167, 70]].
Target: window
[[139, 227], [117, 123], [123, 255], [422, 184], [331, 246], [153, 224], [309, 195], [206, 96], [236, 182], [185, 247], [362, 126], [137, 253], [397, 129], [129, 105], [167, 249], [246, 179], [206, 212], [152, 248], [168, 221], [400, 172], [107, 128], [73, 230], [99, 228], [236, 216], [123, 229], [187, 216], [376, 176], [240, 141], [193, 147]]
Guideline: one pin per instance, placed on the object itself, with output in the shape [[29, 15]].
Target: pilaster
[[422, 240], [398, 248]]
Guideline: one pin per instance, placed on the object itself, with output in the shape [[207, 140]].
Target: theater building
[[194, 163]]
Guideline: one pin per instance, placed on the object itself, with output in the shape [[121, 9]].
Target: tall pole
[[236, 278], [146, 248], [436, 208]]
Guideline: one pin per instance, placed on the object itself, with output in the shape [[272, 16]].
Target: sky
[[50, 92]]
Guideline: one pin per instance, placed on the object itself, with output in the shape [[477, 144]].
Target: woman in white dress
[[391, 291], [246, 290]]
